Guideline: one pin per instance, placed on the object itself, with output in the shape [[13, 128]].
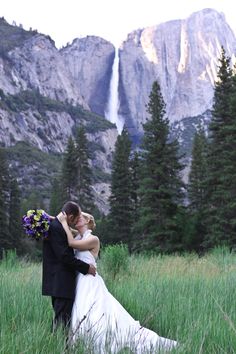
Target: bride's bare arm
[[82, 245], [74, 232]]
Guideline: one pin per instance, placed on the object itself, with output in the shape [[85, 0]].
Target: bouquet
[[36, 224]]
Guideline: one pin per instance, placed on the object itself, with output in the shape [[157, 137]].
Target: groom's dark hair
[[71, 208]]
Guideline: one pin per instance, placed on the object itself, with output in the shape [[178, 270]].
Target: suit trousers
[[62, 312]]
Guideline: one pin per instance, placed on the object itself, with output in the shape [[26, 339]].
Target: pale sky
[[65, 20]]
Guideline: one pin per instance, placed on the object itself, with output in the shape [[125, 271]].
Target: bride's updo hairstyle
[[90, 219]]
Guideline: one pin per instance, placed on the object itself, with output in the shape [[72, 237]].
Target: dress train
[[99, 316]]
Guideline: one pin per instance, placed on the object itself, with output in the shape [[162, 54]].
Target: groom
[[60, 267]]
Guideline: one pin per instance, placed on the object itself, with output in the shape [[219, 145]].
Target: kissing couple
[[81, 301]]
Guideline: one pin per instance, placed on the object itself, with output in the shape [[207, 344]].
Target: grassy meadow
[[186, 298]]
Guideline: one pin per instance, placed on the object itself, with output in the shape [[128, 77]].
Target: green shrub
[[115, 259]]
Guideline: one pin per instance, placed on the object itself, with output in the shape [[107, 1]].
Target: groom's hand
[[92, 270]]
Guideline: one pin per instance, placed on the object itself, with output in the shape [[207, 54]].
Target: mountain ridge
[[45, 92]]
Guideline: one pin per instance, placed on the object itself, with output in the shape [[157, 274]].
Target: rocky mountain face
[[42, 101], [45, 93], [36, 64], [183, 56], [46, 125], [184, 130], [89, 61], [79, 73]]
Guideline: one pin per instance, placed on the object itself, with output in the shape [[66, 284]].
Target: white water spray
[[111, 113]]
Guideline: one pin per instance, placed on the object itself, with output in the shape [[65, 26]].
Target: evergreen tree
[[197, 188], [32, 201], [221, 160], [135, 202], [230, 167], [160, 185], [120, 199], [134, 185], [84, 172], [15, 229], [103, 229], [56, 200], [69, 171], [4, 195]]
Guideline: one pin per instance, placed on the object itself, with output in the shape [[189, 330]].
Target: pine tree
[[134, 197], [160, 185], [134, 182], [15, 229], [32, 201], [197, 189], [120, 199], [84, 172], [4, 196], [221, 160], [230, 167], [69, 171], [56, 200]]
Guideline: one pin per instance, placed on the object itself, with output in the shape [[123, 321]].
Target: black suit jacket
[[59, 264]]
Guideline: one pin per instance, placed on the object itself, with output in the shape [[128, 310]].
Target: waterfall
[[111, 112]]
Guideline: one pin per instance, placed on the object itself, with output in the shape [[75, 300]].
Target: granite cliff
[[183, 56], [45, 93]]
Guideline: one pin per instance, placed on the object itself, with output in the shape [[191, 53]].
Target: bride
[[96, 312]]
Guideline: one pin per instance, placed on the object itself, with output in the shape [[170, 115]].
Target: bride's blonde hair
[[90, 219]]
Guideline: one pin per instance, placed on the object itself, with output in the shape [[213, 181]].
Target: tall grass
[[25, 316], [186, 298]]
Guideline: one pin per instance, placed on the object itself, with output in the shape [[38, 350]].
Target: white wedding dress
[[98, 315]]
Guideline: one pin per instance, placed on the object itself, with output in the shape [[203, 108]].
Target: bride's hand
[[62, 217], [49, 216]]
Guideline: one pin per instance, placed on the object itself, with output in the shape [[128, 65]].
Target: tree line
[[151, 209], [9, 208], [73, 182]]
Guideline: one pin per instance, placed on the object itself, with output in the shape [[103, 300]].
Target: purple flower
[[36, 224]]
